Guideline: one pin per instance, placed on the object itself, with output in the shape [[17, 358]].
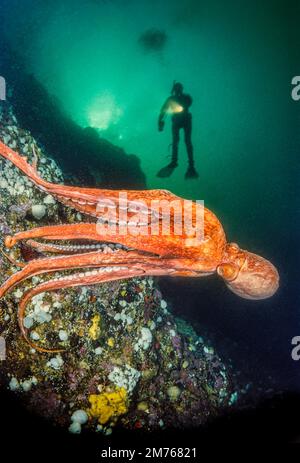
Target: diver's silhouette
[[178, 105]]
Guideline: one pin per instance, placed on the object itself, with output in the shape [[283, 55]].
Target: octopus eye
[[228, 271]]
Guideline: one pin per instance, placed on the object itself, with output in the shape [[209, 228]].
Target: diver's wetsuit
[[182, 120], [178, 105]]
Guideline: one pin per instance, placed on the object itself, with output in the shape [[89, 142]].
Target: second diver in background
[[178, 105]]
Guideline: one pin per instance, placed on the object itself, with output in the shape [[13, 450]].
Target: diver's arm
[[163, 110], [162, 114]]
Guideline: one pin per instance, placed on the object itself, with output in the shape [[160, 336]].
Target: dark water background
[[237, 60]]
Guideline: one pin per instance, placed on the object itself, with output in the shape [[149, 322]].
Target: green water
[[236, 60]]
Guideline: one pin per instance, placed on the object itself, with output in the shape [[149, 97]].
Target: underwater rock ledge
[[127, 361], [86, 157]]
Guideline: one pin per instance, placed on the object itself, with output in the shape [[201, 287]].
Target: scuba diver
[[178, 105]]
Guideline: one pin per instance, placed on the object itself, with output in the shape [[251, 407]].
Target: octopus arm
[[57, 232], [86, 260]]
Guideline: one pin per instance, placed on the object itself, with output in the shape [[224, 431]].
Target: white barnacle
[[18, 294], [55, 362]]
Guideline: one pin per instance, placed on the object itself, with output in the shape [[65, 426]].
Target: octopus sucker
[[126, 255], [74, 248], [90, 273]]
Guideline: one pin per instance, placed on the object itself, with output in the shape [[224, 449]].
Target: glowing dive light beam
[[174, 107]]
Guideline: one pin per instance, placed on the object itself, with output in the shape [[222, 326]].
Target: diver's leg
[[168, 170], [175, 142], [191, 171], [188, 140]]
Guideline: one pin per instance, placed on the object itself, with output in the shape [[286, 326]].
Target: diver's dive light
[[174, 107]]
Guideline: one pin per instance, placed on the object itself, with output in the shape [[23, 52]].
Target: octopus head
[[248, 275]]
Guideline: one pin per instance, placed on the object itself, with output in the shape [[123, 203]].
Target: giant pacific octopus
[[131, 254]]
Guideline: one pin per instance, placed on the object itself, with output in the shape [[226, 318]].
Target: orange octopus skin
[[246, 274]]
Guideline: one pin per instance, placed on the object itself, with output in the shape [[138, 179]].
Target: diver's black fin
[[167, 171]]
